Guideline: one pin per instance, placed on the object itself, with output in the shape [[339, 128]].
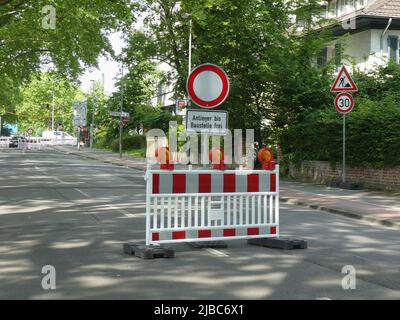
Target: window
[[393, 48], [322, 57], [338, 54]]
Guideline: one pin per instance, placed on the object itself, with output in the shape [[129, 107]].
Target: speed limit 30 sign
[[344, 102]]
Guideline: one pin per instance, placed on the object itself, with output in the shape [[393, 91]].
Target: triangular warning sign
[[344, 82]]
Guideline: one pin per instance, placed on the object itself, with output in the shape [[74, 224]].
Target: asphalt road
[[74, 214]]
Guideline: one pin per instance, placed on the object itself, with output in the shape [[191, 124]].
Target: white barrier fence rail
[[40, 144], [208, 205], [36, 143], [4, 142]]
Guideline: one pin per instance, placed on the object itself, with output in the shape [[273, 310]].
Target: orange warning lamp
[[266, 158], [216, 156], [163, 157]]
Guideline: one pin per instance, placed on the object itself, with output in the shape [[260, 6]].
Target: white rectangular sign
[[210, 122], [180, 107], [80, 109], [118, 114]]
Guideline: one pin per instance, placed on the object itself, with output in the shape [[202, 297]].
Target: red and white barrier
[[4, 142], [42, 143], [208, 205]]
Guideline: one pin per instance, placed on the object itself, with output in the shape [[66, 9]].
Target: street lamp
[[52, 110], [188, 15], [122, 106], [93, 111]]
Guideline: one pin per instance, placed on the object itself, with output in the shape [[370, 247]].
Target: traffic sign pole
[[120, 118], [79, 138], [344, 150]]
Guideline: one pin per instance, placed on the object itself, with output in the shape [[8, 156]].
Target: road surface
[[74, 214]]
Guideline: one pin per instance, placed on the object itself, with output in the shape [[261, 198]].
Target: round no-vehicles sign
[[344, 102], [208, 86]]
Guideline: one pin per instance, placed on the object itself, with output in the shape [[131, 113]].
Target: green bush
[[133, 142], [372, 135], [136, 141], [372, 128]]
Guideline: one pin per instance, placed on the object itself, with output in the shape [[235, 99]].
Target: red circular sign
[[344, 102], [208, 86]]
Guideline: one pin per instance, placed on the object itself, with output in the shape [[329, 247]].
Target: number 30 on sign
[[344, 102]]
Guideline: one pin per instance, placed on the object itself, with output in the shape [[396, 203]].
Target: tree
[[35, 109], [29, 41], [269, 61]]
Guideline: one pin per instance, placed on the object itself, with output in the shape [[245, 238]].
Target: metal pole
[[344, 149], [92, 124], [190, 47], [52, 114], [189, 71], [120, 116], [79, 138]]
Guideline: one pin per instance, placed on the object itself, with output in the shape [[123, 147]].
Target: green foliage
[[372, 128], [270, 64], [133, 142], [35, 109], [79, 37]]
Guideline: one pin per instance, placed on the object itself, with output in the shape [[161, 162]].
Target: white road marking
[[82, 192], [323, 298], [58, 180], [216, 252], [124, 212]]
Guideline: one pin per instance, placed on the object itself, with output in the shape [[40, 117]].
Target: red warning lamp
[[266, 158], [163, 157], [216, 156]]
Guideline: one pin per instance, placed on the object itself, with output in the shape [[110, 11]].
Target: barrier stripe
[[167, 235], [218, 182], [178, 183], [204, 183], [273, 182], [229, 232], [229, 182], [252, 183], [204, 233], [156, 183]]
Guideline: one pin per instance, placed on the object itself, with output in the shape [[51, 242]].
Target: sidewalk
[[376, 207]]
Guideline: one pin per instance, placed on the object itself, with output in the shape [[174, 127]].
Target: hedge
[[372, 135]]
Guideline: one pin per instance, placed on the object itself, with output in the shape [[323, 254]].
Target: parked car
[[14, 141]]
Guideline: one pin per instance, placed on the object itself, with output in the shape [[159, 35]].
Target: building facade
[[373, 28]]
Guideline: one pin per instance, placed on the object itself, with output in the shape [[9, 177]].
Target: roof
[[374, 15], [379, 8], [383, 8]]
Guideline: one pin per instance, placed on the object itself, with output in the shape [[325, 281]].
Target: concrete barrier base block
[[209, 244], [279, 243], [148, 252]]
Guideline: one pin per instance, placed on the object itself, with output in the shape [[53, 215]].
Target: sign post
[[344, 150], [80, 109], [208, 87], [344, 103]]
